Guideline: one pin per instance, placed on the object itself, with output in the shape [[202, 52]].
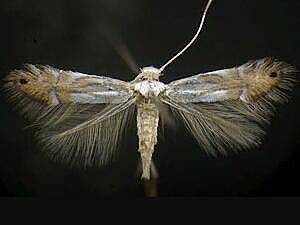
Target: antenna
[[120, 48], [191, 42]]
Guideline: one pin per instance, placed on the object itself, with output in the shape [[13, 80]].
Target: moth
[[81, 118]]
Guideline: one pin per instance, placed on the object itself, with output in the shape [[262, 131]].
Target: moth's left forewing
[[207, 87], [227, 108]]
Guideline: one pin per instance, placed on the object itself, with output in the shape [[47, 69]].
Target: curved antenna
[[191, 42]]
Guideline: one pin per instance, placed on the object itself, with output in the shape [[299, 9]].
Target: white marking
[[76, 75], [223, 73], [150, 69], [214, 96], [54, 98], [243, 96], [99, 97], [54, 72], [149, 88], [106, 93]]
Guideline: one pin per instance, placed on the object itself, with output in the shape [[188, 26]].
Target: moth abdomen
[[147, 124]]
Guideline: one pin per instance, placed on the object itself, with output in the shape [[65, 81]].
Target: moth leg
[[150, 186], [153, 171]]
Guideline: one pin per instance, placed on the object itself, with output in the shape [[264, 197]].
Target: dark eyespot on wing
[[23, 81], [273, 74]]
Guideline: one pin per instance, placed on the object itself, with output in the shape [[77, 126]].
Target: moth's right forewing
[[82, 88], [79, 118], [35, 88]]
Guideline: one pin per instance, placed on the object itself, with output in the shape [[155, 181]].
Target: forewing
[[228, 108], [207, 87], [79, 118]]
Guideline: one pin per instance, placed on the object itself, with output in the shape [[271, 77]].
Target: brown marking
[[36, 82], [262, 76], [63, 86]]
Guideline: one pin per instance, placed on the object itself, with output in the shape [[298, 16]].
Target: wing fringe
[[235, 124], [77, 134]]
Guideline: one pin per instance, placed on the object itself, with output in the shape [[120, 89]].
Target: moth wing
[[228, 108], [88, 135], [79, 118]]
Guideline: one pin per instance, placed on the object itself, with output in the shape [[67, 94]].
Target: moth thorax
[[150, 73]]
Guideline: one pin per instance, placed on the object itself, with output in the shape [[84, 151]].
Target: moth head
[[149, 73], [266, 76], [32, 81]]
